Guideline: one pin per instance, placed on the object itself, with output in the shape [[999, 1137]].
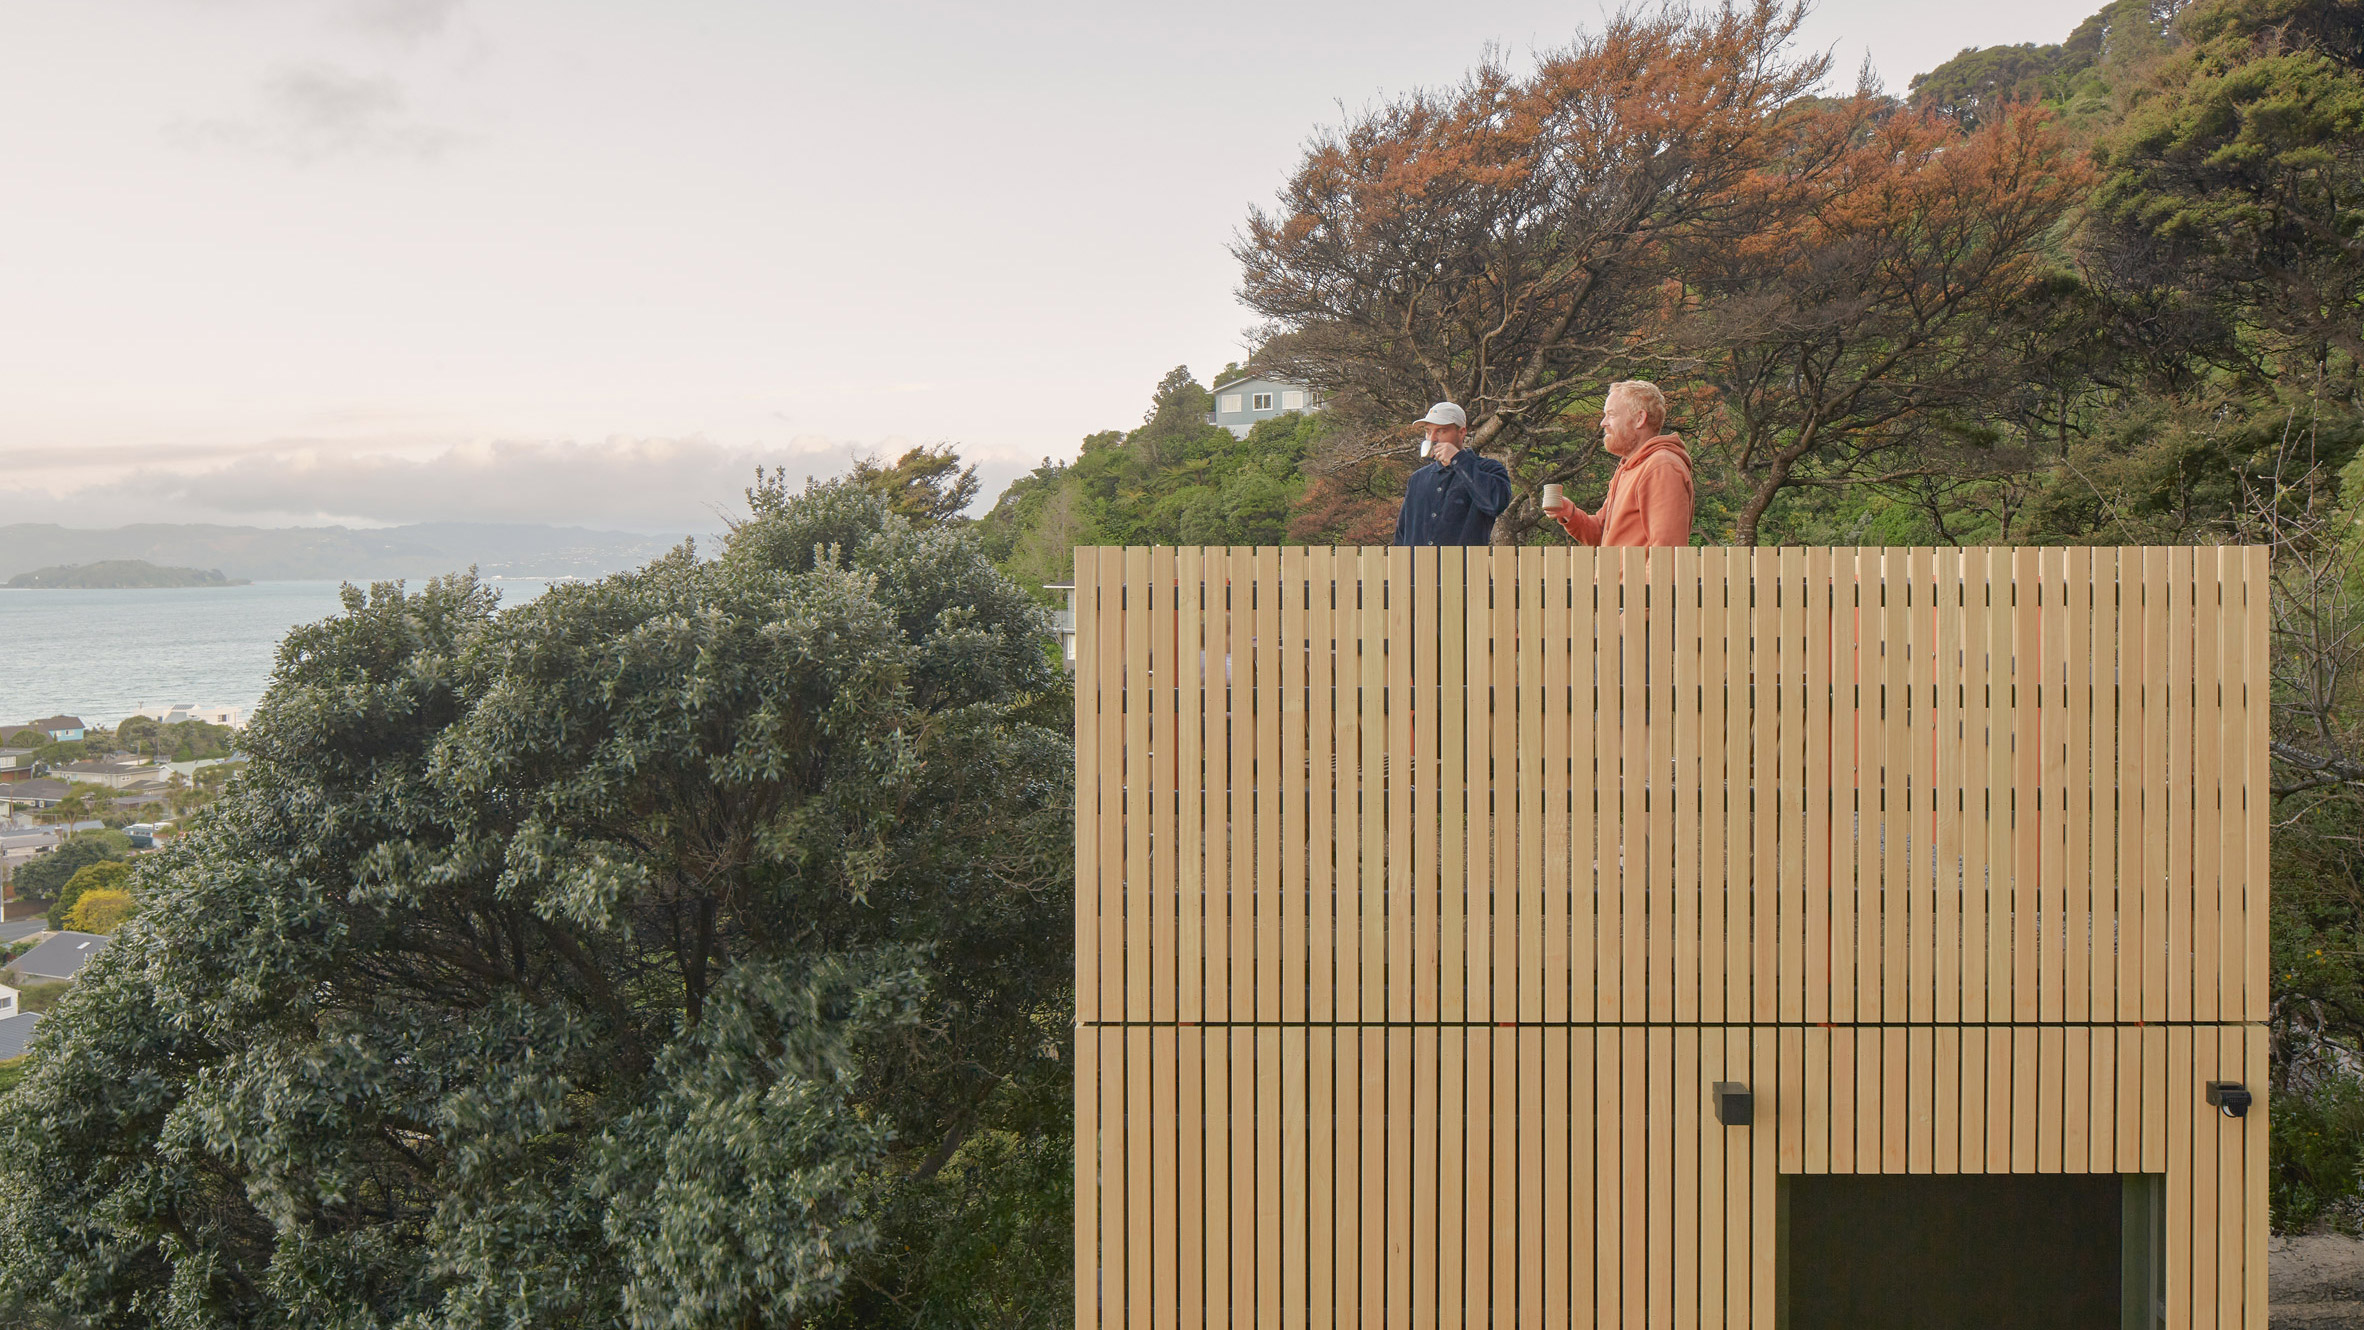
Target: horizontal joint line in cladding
[[1667, 1025]]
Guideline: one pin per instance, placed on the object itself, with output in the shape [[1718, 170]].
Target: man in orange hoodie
[[1649, 497]]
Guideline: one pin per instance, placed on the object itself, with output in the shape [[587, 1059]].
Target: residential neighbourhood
[[32, 795], [112, 775]]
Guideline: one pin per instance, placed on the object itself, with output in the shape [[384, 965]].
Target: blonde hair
[[1653, 401]]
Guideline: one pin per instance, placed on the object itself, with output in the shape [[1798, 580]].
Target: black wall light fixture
[[2231, 1097], [1735, 1106]]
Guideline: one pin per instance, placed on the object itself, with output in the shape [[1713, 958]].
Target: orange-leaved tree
[[1497, 243], [1872, 315]]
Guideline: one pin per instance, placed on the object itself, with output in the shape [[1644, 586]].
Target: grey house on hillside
[[1241, 403]]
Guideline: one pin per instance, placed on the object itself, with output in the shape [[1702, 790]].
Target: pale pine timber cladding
[[1423, 893]]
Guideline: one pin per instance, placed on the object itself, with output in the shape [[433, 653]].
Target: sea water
[[101, 655]]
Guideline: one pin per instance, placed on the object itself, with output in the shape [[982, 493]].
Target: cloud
[[311, 112], [407, 20], [656, 485]]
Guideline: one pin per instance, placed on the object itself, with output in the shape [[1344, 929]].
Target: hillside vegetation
[[121, 573], [2107, 291], [2098, 291]]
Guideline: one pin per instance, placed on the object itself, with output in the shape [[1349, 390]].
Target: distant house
[[1241, 403], [114, 774], [32, 795], [1063, 623], [16, 1025], [232, 717], [145, 794], [16, 763], [60, 729], [62, 956]]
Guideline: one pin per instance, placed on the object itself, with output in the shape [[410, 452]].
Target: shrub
[[2317, 1151], [102, 910], [105, 875]]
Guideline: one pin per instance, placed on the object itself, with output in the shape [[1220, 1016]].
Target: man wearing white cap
[[1456, 497]]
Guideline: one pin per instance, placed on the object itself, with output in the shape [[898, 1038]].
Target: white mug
[[1552, 498]]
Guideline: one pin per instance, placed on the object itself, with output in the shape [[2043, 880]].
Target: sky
[[281, 262]]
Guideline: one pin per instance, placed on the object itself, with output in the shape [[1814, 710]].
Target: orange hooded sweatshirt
[[1648, 503]]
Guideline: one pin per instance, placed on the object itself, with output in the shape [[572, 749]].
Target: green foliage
[[103, 875], [2108, 52], [978, 1242], [182, 741], [2317, 1154], [58, 752], [924, 484], [622, 958], [1175, 480], [2246, 173], [11, 1071], [47, 875], [101, 909]]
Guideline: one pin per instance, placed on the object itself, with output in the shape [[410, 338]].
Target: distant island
[[113, 574], [335, 553]]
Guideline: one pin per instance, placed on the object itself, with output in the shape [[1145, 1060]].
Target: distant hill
[[117, 573], [286, 554]]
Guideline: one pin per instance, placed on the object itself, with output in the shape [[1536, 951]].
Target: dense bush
[[105, 875], [658, 953], [2317, 1148], [101, 910]]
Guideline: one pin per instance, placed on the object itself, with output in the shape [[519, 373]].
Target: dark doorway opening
[[1968, 1252]]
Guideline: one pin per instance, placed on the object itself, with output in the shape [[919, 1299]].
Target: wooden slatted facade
[[1422, 894]]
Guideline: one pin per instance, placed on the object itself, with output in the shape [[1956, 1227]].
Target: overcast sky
[[373, 261]]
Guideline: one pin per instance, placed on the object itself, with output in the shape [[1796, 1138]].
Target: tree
[[2247, 172], [1498, 243], [1873, 305], [104, 875], [81, 804], [634, 956], [47, 875], [924, 484], [102, 910], [182, 741]]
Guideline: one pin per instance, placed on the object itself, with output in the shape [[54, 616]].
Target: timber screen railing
[[1422, 894]]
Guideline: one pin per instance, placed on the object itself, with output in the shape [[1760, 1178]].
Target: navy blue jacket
[[1453, 505]]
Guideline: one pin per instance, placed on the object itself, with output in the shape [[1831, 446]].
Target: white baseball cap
[[1444, 413]]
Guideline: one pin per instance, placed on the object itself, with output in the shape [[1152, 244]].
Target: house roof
[[15, 1032], [39, 789], [1255, 378], [61, 956], [46, 724], [110, 767]]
